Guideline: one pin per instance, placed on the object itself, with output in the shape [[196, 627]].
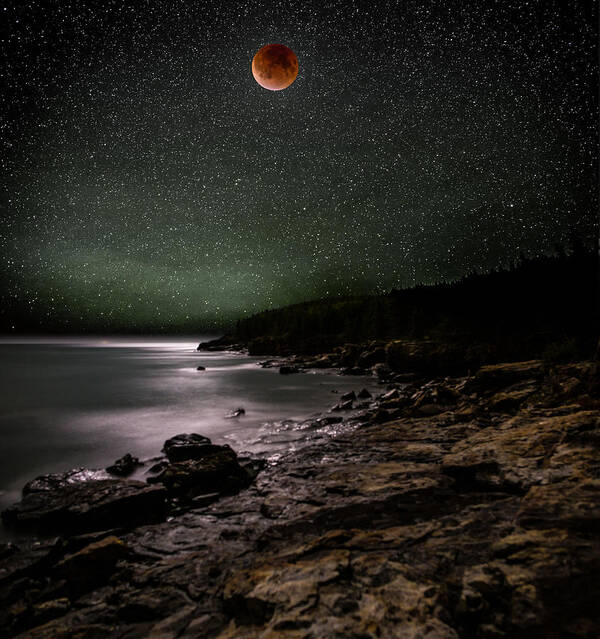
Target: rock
[[382, 371], [186, 446], [510, 400], [216, 471], [364, 394], [288, 370], [369, 358], [348, 354], [88, 506], [29, 559], [237, 412], [509, 458], [496, 376], [269, 363], [404, 378], [252, 466], [92, 565], [354, 370], [124, 465], [225, 343], [200, 501], [58, 481], [472, 523], [326, 420], [158, 467], [566, 505], [201, 368], [427, 357], [348, 396], [347, 405], [326, 361], [394, 393]]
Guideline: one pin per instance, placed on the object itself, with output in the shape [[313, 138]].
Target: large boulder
[[216, 471], [186, 446], [74, 508]]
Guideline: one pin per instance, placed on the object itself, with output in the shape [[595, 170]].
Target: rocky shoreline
[[465, 506]]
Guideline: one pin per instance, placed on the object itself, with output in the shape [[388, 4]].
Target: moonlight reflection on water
[[69, 402]]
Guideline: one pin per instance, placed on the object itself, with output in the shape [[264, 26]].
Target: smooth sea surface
[[85, 401]]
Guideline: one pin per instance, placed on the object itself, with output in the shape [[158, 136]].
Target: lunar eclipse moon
[[275, 67]]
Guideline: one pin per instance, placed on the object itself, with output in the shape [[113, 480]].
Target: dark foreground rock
[[288, 370], [124, 465], [216, 470], [187, 446], [459, 517], [89, 505]]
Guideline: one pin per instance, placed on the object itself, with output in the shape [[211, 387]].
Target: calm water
[[87, 401]]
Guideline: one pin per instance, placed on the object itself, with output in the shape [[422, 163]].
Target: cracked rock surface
[[460, 508]]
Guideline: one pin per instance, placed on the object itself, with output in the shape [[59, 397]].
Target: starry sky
[[149, 183]]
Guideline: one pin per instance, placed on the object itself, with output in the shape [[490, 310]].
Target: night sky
[[148, 182]]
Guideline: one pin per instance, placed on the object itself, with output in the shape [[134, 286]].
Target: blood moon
[[275, 67]]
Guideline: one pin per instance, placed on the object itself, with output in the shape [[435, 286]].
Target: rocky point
[[459, 507]]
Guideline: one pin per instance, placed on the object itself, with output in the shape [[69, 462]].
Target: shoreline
[[456, 510]]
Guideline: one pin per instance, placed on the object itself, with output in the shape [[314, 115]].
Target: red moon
[[275, 67]]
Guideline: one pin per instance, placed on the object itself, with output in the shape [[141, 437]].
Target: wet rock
[[236, 412], [329, 419], [364, 394], [269, 363], [124, 465], [158, 467], [404, 378], [218, 470], [252, 466], [382, 371], [473, 523], [348, 396], [87, 506], [186, 446], [288, 370], [58, 481], [201, 368], [391, 394], [347, 405], [200, 501], [29, 559], [92, 565]]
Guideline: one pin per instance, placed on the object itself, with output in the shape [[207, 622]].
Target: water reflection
[[69, 402]]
